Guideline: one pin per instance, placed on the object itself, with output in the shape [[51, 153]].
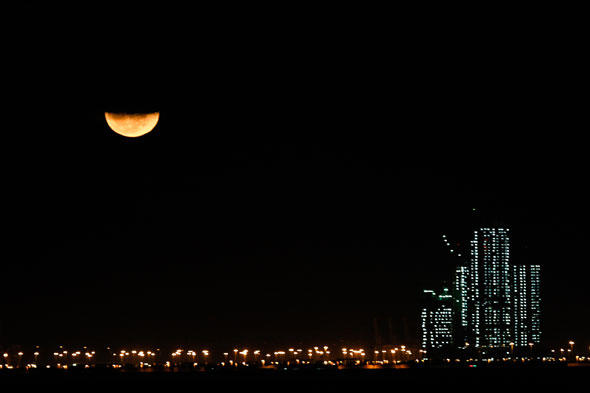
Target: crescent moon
[[132, 125]]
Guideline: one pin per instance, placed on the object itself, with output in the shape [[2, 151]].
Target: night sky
[[297, 184]]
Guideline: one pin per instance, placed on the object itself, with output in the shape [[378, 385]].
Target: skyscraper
[[489, 295], [460, 296], [526, 305], [437, 320]]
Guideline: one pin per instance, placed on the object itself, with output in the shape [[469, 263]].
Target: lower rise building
[[437, 319]]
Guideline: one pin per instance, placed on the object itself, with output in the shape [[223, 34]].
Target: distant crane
[[458, 249], [455, 250]]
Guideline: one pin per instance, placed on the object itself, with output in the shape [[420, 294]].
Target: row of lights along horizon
[[397, 357], [147, 358]]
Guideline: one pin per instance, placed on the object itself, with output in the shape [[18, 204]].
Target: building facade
[[489, 291], [437, 319], [461, 295], [526, 305]]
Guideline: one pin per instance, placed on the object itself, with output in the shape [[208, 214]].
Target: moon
[[132, 125]]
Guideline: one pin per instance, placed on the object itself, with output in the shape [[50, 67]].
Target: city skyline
[[495, 302]]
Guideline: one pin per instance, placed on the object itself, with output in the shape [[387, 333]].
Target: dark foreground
[[460, 378]]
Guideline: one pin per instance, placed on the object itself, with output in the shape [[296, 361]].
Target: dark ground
[[455, 378]]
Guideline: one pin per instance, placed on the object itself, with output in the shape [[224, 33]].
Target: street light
[[244, 353]]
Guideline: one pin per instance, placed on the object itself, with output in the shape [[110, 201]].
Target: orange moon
[[132, 125]]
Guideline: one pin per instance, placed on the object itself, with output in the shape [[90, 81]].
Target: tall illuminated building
[[489, 291], [461, 297], [503, 303], [437, 320], [526, 305]]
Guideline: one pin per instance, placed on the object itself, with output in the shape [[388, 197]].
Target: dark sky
[[298, 181]]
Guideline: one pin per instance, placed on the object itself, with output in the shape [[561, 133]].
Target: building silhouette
[[493, 303]]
